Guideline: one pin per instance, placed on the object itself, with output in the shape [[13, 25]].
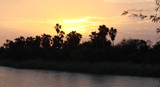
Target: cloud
[[136, 10], [89, 20], [75, 20], [26, 20], [127, 1]]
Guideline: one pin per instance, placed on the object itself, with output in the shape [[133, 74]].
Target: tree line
[[98, 49]]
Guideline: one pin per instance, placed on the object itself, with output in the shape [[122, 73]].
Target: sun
[[74, 25]]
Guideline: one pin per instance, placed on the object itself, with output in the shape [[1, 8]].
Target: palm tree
[[73, 38], [112, 34], [57, 41], [99, 39], [94, 38], [59, 32], [57, 27], [103, 31]]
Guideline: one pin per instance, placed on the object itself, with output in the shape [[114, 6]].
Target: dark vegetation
[[98, 49], [99, 55]]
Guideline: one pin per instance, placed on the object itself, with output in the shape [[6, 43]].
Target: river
[[10, 77]]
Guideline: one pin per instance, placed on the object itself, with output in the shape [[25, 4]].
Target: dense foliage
[[98, 49]]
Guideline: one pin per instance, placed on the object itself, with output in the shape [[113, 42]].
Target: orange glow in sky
[[35, 17]]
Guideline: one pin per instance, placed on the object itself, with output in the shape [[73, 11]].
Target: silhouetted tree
[[134, 49], [57, 41], [20, 43], [99, 39], [59, 32], [11, 44], [33, 43], [103, 31], [29, 43], [6, 45], [46, 41], [134, 43], [94, 38], [156, 47], [37, 42], [112, 34], [57, 27], [2, 49], [73, 38]]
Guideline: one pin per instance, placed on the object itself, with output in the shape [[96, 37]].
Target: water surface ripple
[[10, 77]]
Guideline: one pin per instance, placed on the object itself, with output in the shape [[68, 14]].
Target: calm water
[[10, 77]]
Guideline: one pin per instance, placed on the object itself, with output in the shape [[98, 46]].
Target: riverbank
[[106, 68]]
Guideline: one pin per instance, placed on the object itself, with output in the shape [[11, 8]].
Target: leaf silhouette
[[125, 13], [158, 30], [135, 15], [143, 17]]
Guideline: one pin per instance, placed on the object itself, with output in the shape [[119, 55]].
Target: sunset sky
[[36, 17]]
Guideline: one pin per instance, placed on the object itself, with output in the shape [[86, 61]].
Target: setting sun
[[78, 25], [29, 18]]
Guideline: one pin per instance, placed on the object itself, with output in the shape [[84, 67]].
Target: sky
[[36, 17]]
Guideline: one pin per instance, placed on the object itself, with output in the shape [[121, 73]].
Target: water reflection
[[10, 77]]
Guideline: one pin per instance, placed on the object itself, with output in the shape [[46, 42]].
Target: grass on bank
[[93, 68]]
